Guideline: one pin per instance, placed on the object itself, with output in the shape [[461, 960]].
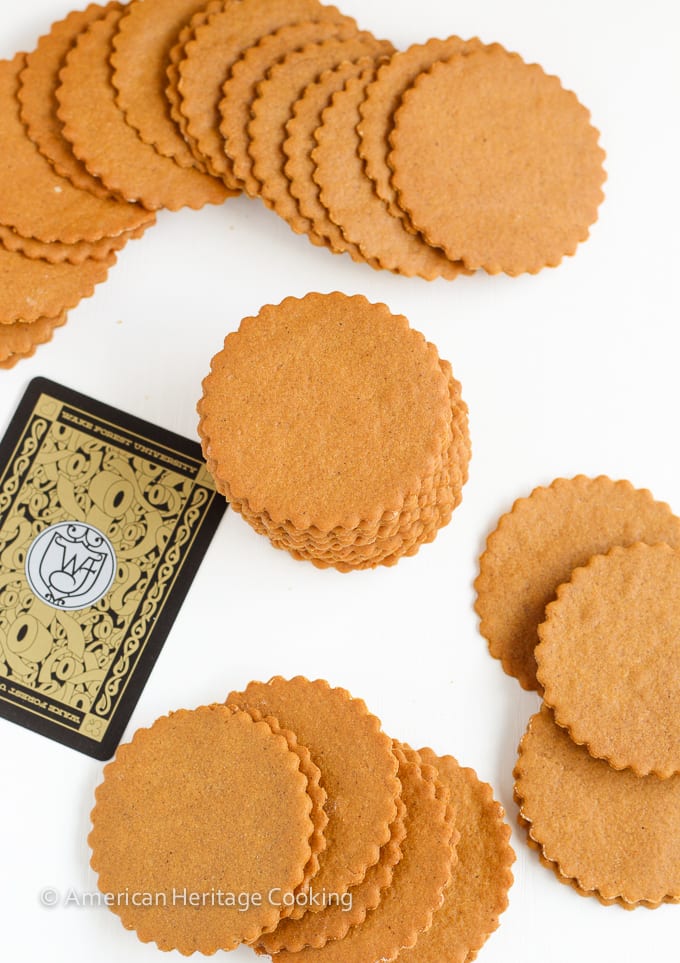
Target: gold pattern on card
[[69, 663]]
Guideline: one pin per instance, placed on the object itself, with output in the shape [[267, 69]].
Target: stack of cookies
[[287, 820], [445, 158], [336, 430], [579, 596]]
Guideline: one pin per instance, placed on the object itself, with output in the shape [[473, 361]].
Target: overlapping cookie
[[348, 195], [623, 849], [383, 98], [139, 58], [513, 177], [126, 109], [20, 339], [241, 88], [37, 96], [536, 546], [31, 288], [170, 817], [217, 42], [578, 597], [290, 803], [107, 145], [477, 893], [610, 651]]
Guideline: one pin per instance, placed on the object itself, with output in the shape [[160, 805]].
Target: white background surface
[[574, 370]]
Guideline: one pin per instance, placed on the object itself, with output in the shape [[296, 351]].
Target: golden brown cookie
[[496, 163], [107, 145], [20, 339], [239, 91], [396, 537], [333, 921], [554, 868], [34, 200], [438, 496], [408, 904], [395, 534], [177, 55], [572, 883], [614, 833], [31, 289], [609, 658], [477, 893], [272, 109], [373, 442], [211, 53], [140, 57], [383, 97], [348, 195], [14, 359], [358, 770], [38, 83], [317, 794], [538, 544], [57, 253], [299, 166], [204, 801]]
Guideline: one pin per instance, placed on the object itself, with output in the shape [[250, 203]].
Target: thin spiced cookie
[[211, 52], [346, 192], [31, 289], [478, 891], [571, 883], [408, 904], [177, 54], [140, 57], [335, 920], [55, 252], [38, 84], [35, 201], [297, 351], [112, 150], [609, 658], [20, 339], [240, 89], [316, 792], [358, 773], [383, 97], [308, 215], [613, 833], [272, 108], [496, 163], [538, 544], [206, 801]]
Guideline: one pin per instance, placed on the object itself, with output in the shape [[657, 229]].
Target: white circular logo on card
[[71, 565]]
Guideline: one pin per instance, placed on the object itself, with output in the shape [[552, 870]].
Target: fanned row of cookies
[[72, 195], [56, 241], [446, 158], [579, 597], [336, 430], [287, 820]]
